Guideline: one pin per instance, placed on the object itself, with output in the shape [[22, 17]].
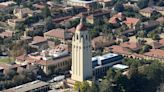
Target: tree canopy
[[142, 3], [142, 76]]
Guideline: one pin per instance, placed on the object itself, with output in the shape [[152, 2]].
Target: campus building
[[101, 64], [35, 86]]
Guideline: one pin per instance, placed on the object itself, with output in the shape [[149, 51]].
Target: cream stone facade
[[83, 3], [81, 54]]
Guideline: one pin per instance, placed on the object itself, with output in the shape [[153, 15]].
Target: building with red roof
[[60, 34], [132, 23]]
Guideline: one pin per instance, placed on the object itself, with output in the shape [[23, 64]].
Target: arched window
[[77, 36], [81, 36], [86, 37]]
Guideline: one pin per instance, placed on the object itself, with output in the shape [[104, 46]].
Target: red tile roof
[[161, 41], [58, 33], [119, 49], [38, 39], [39, 6], [155, 53], [6, 34], [3, 6], [160, 19], [156, 45], [72, 30], [114, 17], [131, 45], [133, 21], [57, 20], [56, 61], [147, 10]]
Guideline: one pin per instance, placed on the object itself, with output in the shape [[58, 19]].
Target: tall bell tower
[[81, 54]]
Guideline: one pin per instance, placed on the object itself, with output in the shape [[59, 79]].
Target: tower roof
[[81, 26]]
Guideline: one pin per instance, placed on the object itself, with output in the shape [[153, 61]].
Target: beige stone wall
[[145, 14]]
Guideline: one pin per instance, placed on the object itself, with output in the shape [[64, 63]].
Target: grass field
[[6, 60]]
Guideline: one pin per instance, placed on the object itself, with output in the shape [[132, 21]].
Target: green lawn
[[6, 60]]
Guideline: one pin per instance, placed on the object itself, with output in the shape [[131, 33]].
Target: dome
[[81, 26]]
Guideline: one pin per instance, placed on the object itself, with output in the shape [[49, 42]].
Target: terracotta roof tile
[[3, 6], [148, 10], [156, 45], [38, 39], [43, 62], [6, 34], [57, 20], [114, 17], [160, 19], [161, 41], [58, 33], [131, 45], [155, 53], [119, 49], [133, 21]]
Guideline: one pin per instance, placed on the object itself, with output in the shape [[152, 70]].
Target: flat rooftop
[[106, 56], [120, 66], [28, 86]]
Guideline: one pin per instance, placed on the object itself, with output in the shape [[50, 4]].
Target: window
[[81, 36], [77, 36]]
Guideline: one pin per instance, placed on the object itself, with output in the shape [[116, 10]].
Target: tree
[[125, 39], [140, 77], [16, 49], [57, 1], [46, 12], [152, 2], [160, 3], [145, 48], [77, 85], [48, 24], [18, 2], [141, 34], [133, 71], [106, 86], [119, 7], [18, 79], [150, 34], [155, 15], [93, 33], [82, 86], [111, 74], [56, 41], [94, 88], [142, 3], [156, 37], [20, 27], [10, 74]]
